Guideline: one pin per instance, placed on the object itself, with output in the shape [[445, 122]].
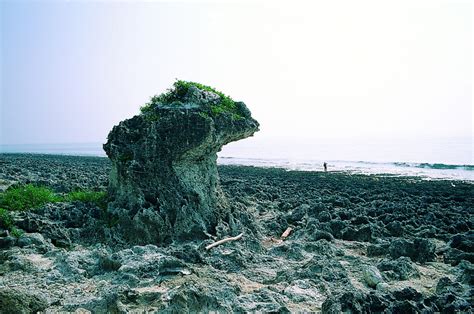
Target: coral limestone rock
[[164, 184]]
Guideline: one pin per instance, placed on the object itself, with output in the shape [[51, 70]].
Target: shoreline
[[348, 172]]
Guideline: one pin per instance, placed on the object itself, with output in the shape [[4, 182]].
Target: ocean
[[429, 158]]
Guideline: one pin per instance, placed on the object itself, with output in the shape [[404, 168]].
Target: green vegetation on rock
[[6, 220], [16, 232], [179, 90], [30, 196], [97, 198], [27, 196], [7, 223]]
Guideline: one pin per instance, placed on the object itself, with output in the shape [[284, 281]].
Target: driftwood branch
[[210, 246], [286, 233]]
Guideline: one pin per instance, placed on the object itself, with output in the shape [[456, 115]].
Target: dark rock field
[[358, 244]]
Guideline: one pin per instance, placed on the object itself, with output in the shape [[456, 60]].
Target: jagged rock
[[249, 275], [104, 302], [141, 260], [467, 272], [7, 242], [164, 182], [337, 226], [314, 233], [407, 294], [303, 291], [318, 235], [399, 269], [363, 234], [36, 223], [323, 248], [324, 216], [108, 262], [395, 228], [262, 301], [35, 240], [452, 296], [198, 297], [372, 276], [377, 249], [463, 242], [298, 213], [354, 302], [187, 253], [18, 301], [382, 287], [420, 250], [455, 256], [292, 251], [446, 285]]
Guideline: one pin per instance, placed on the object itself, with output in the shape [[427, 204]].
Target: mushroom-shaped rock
[[164, 184]]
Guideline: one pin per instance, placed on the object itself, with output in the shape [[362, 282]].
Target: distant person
[[325, 165]]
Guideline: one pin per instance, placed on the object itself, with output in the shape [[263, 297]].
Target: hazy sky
[[71, 70]]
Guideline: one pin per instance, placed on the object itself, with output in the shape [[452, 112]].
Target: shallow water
[[425, 170], [436, 158], [448, 158]]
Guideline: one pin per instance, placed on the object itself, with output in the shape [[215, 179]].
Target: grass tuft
[[97, 198], [27, 196], [30, 196]]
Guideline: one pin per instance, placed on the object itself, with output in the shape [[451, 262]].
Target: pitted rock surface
[[164, 183], [68, 260]]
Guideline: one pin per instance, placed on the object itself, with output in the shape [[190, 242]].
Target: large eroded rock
[[164, 183]]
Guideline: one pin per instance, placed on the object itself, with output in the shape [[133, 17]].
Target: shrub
[[27, 196], [16, 232], [6, 220], [179, 90], [97, 198], [30, 196]]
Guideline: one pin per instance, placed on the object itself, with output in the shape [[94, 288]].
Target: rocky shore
[[358, 243]]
